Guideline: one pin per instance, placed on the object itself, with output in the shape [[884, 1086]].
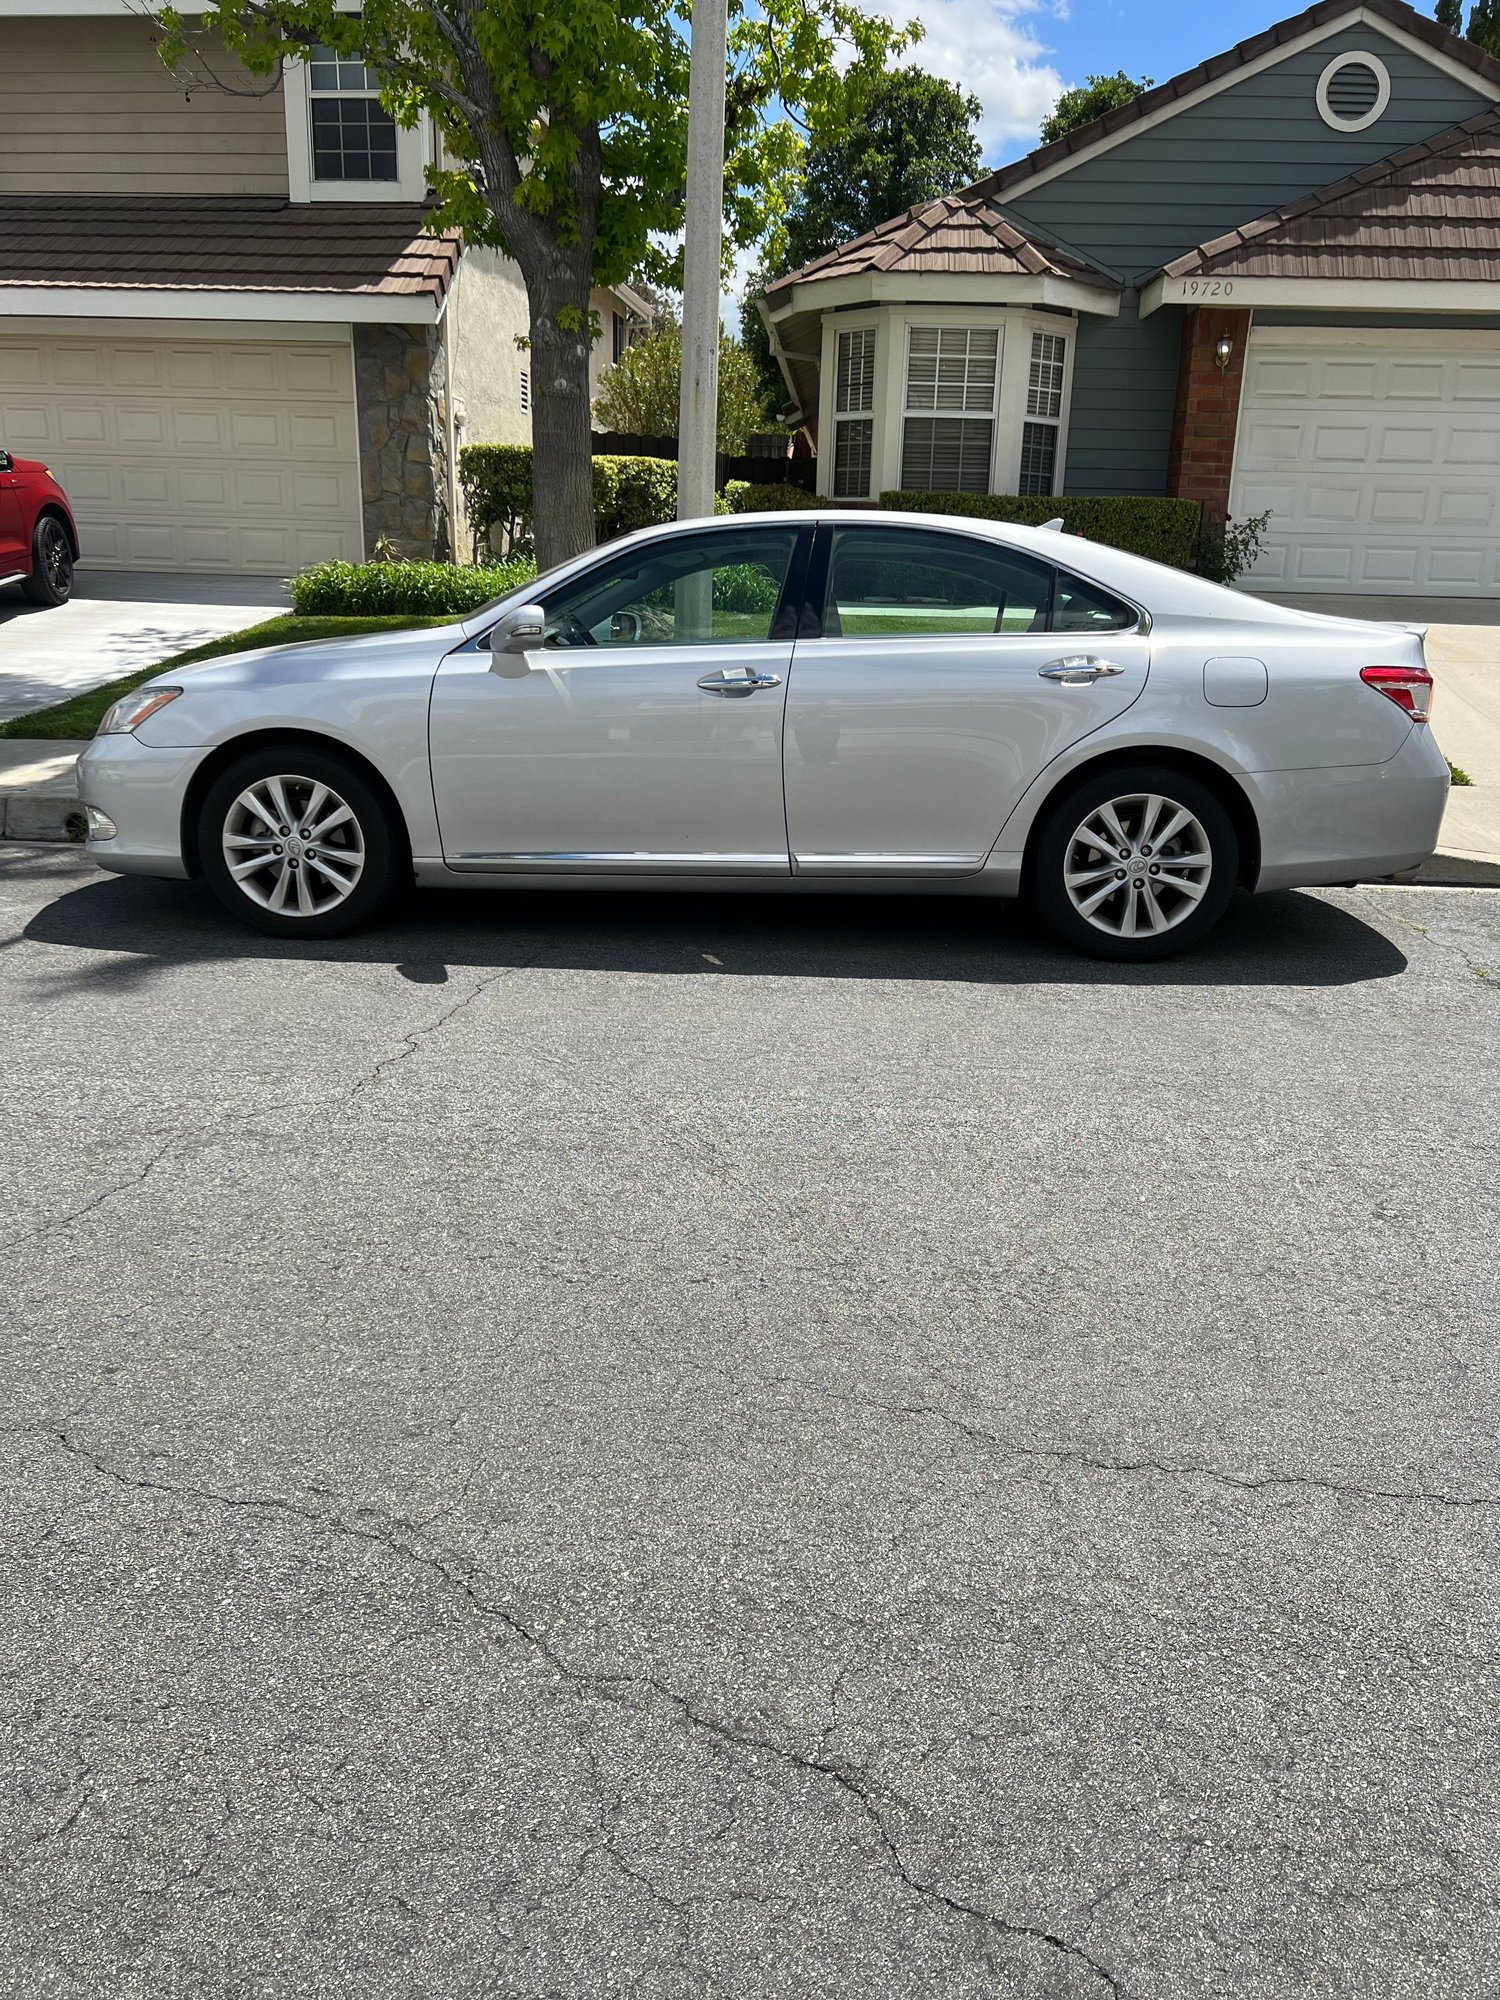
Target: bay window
[[1044, 400]]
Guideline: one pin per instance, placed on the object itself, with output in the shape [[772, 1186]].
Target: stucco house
[[221, 321], [1271, 284]]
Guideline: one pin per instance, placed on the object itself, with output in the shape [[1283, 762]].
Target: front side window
[[854, 414], [719, 588], [353, 136], [886, 583], [948, 419], [1044, 401]]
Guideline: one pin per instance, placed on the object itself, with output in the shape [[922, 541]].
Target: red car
[[38, 539]]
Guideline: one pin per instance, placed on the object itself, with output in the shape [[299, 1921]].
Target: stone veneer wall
[[403, 432]]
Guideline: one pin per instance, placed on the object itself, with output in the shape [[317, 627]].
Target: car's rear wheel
[[51, 578], [298, 843], [1136, 863]]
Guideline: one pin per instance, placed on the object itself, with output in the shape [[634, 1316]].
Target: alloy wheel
[[293, 846], [1137, 865], [56, 555]]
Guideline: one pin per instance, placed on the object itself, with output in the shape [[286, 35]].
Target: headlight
[[131, 710]]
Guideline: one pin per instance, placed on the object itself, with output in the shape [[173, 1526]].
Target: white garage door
[[1377, 454], [191, 454]]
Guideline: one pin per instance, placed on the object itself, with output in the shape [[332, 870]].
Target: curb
[[23, 816]]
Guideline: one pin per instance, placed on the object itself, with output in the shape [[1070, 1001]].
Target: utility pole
[[698, 417]]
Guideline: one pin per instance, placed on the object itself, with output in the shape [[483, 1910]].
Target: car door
[[645, 733], [947, 670], [15, 549]]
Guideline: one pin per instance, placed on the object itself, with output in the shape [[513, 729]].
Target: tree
[[1484, 26], [910, 137], [640, 392], [567, 120], [1450, 15], [1089, 100]]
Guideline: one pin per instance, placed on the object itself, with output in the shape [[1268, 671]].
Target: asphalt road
[[676, 1448]]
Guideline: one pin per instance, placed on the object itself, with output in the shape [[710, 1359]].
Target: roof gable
[[1192, 86], [1429, 213]]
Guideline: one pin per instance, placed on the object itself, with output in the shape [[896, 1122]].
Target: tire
[[1109, 898], [344, 880], [51, 578]]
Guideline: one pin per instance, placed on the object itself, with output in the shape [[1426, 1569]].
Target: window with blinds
[[1044, 399], [854, 414], [951, 372]]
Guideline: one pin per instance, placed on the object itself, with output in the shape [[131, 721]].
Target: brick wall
[[1201, 456]]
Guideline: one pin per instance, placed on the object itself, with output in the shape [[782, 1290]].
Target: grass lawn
[[79, 715]]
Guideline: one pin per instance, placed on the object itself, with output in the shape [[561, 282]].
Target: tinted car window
[[906, 582], [1084, 607], [712, 589]]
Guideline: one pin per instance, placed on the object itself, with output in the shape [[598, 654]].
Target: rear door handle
[[1078, 669], [737, 680]]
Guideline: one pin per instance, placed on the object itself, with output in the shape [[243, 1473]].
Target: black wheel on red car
[[51, 578]]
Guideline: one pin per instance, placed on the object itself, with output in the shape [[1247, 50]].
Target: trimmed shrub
[[629, 493], [746, 497], [373, 589], [1162, 530]]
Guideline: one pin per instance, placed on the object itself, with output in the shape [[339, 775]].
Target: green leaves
[[639, 394]]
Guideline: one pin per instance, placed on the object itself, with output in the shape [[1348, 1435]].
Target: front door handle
[[737, 680], [1079, 669]]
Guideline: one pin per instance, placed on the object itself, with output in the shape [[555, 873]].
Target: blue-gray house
[[1271, 284]]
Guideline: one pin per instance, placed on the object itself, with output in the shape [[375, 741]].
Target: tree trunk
[[562, 512]]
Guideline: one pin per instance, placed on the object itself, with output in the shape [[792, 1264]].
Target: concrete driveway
[[117, 623], [703, 1449]]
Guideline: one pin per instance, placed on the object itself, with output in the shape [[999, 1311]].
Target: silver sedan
[[811, 703]]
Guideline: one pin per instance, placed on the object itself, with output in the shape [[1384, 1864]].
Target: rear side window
[[1083, 607], [911, 582]]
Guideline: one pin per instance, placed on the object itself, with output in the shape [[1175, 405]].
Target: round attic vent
[[1353, 91]]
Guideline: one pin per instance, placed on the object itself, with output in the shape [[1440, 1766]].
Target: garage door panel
[[1374, 462], [192, 454]]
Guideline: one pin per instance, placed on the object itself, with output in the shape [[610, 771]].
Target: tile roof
[[1432, 211], [229, 244], [1323, 14], [955, 234]]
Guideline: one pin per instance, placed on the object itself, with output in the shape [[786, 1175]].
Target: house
[[1271, 284], [221, 321]]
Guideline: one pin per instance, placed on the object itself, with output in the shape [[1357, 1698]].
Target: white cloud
[[991, 47]]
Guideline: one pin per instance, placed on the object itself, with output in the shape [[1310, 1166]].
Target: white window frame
[[1058, 422], [410, 183], [952, 323], [834, 326]]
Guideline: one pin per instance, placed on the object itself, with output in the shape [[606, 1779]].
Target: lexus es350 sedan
[[811, 703]]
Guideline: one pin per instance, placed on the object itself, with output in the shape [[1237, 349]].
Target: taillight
[[1408, 687]]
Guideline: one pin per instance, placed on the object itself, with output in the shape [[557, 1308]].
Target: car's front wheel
[[298, 842], [1135, 863], [51, 578]]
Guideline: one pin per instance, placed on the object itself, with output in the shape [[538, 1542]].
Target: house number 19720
[[1208, 288]]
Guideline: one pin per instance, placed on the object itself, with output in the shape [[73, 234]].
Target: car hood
[[27, 464], [363, 656]]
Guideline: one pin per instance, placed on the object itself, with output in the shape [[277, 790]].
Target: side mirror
[[519, 631], [7, 463]]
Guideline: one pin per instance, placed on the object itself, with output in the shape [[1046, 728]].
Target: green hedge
[[746, 497], [629, 493], [363, 590], [1164, 531]]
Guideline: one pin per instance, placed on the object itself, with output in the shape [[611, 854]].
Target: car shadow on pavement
[[1283, 940]]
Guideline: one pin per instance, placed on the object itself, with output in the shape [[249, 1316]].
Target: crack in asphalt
[[54, 1225], [414, 1039], [1094, 1462], [612, 1687]]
